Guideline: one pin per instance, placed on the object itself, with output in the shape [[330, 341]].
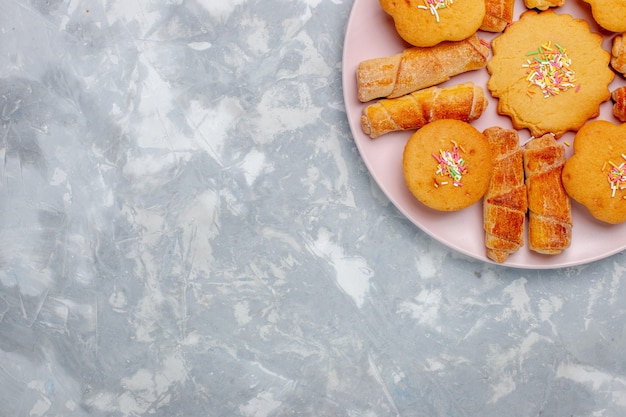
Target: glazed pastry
[[418, 68], [464, 102], [499, 13], [549, 207], [504, 203]]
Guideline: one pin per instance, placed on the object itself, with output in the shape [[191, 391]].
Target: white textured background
[[187, 229]]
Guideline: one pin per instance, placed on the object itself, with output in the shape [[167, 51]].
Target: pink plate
[[370, 33]]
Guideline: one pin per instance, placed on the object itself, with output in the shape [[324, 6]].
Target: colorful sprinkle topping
[[617, 176], [434, 5], [451, 165], [549, 69]]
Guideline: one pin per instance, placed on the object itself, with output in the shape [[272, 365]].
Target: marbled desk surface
[[187, 229]]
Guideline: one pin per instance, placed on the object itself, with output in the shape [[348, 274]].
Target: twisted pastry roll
[[505, 203], [550, 218], [499, 13], [465, 102], [417, 68]]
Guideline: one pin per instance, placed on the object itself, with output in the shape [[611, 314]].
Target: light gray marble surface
[[187, 229]]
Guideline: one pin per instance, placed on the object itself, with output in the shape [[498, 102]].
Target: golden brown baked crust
[[450, 140], [549, 208], [543, 4], [498, 14], [505, 203], [570, 104], [598, 156], [420, 25], [618, 54], [418, 68], [619, 103], [464, 102], [610, 14]]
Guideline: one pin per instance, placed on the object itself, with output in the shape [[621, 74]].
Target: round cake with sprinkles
[[595, 175], [426, 23], [447, 165], [549, 72]]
